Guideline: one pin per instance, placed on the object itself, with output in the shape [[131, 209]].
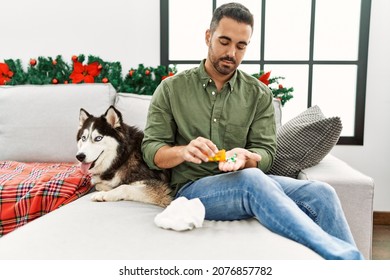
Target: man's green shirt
[[188, 105]]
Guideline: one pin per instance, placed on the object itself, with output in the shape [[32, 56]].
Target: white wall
[[117, 30], [129, 31]]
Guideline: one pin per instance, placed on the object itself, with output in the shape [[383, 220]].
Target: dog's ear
[[113, 117], [84, 115]]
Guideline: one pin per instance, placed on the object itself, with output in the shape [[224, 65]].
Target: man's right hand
[[198, 150]]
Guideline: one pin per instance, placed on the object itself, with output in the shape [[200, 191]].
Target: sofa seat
[[125, 230]]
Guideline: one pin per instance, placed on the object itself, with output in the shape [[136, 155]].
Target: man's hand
[[243, 159], [198, 150]]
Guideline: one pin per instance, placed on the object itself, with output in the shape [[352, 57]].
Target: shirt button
[[204, 85], [213, 93], [215, 120]]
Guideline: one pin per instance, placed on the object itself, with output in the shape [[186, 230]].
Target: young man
[[216, 106]]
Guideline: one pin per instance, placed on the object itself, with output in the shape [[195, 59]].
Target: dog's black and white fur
[[110, 151]]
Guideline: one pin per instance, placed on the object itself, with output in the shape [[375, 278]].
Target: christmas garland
[[48, 70], [142, 80]]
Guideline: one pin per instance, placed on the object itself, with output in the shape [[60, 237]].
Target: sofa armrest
[[356, 192]]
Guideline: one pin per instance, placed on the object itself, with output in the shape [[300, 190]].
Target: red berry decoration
[[33, 62], [74, 58], [131, 72], [105, 80], [100, 67], [54, 81], [54, 62], [147, 72]]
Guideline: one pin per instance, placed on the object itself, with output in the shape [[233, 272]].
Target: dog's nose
[[80, 157]]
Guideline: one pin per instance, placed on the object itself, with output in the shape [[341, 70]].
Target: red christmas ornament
[[280, 86], [105, 80], [66, 82], [5, 74], [54, 81], [33, 62], [169, 75], [265, 78]]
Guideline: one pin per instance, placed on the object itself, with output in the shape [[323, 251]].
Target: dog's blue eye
[[98, 138]]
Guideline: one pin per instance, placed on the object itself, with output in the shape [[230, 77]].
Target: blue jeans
[[308, 212]]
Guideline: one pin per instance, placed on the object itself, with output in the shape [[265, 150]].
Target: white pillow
[[134, 108], [38, 123], [278, 112]]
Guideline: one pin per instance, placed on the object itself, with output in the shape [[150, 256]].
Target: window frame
[[361, 62]]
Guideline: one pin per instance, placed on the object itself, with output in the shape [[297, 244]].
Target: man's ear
[[113, 117], [84, 115], [208, 37]]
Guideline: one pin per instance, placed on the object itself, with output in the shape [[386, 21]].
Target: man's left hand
[[243, 159]]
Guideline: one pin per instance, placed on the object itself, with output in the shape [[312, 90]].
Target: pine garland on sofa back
[[47, 70]]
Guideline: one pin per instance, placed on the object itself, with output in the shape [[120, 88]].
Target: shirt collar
[[206, 80]]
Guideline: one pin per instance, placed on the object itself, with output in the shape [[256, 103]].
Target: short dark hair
[[235, 11]]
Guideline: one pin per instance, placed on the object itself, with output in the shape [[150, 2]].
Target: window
[[319, 46]]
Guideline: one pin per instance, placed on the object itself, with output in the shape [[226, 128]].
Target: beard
[[220, 64]]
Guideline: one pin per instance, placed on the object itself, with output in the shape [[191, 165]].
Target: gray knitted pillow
[[304, 141]]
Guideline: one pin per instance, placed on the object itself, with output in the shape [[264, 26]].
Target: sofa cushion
[[38, 123], [304, 141], [278, 112], [30, 190], [134, 108]]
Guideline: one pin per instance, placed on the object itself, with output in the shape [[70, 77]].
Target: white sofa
[[39, 123]]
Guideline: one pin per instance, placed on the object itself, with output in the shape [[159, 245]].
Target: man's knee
[[253, 175], [323, 189], [255, 172], [254, 179], [325, 196]]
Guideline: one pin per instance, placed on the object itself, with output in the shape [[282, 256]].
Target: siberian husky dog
[[110, 151]]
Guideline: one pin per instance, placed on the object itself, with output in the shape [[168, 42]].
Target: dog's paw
[[104, 196]]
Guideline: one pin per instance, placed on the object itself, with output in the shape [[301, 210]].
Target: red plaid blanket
[[30, 190]]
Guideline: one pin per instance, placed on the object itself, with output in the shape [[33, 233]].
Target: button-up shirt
[[188, 105]]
